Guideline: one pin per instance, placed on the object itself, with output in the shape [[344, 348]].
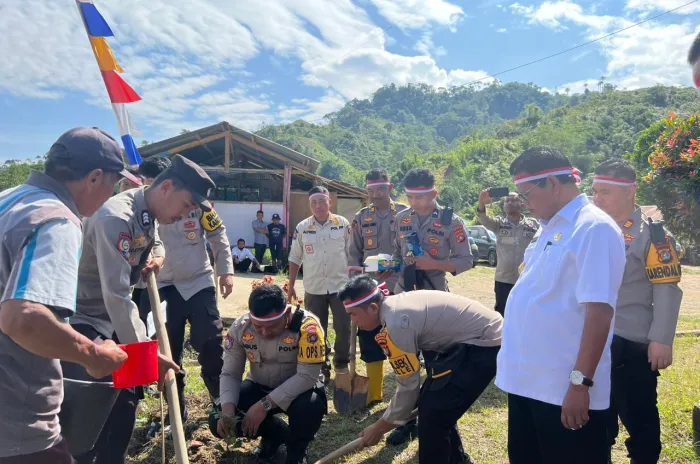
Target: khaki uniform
[[444, 242], [373, 233], [117, 241], [512, 240]]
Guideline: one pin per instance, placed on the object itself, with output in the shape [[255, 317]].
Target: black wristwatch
[[577, 378]]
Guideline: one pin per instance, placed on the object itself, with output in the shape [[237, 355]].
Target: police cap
[[195, 179]]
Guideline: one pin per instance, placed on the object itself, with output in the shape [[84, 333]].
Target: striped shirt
[[39, 263]]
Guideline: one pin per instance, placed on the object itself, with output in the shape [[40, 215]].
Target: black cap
[[91, 148], [196, 180], [276, 216]]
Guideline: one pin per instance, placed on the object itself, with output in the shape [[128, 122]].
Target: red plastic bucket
[[141, 368]]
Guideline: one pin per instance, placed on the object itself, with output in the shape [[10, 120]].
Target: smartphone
[[498, 192]]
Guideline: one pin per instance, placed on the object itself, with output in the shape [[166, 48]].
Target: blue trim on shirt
[[25, 268], [12, 198]]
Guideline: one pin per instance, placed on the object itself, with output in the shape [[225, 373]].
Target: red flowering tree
[[673, 179]]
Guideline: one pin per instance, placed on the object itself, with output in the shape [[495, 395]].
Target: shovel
[[350, 393]]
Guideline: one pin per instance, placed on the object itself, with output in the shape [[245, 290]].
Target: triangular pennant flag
[[104, 55], [118, 90], [132, 153], [124, 122], [94, 22]]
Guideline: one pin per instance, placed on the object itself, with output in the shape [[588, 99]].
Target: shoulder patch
[[662, 263], [124, 244], [404, 364], [312, 343], [228, 344], [211, 221]]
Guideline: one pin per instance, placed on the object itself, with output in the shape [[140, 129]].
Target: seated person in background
[[242, 257], [286, 349]]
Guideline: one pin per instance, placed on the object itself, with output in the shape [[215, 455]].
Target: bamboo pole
[[170, 385]]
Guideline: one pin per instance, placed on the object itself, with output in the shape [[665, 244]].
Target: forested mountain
[[470, 135]]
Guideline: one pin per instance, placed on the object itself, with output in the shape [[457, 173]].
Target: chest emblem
[[406, 221], [247, 337], [190, 224], [434, 240], [558, 237], [437, 224], [433, 252], [192, 235], [369, 219], [628, 224], [289, 340], [628, 237]]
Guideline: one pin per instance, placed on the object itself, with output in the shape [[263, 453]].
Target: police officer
[[514, 233], [117, 245], [373, 233], [459, 339], [285, 348], [320, 242], [646, 315], [439, 232], [42, 236], [186, 283]]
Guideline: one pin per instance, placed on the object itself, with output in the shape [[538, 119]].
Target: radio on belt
[[382, 263]]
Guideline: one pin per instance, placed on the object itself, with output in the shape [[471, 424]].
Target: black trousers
[[305, 416], [275, 250], [537, 436], [445, 399], [113, 442], [260, 252], [370, 351], [205, 333], [243, 266], [502, 291], [57, 454], [633, 398]]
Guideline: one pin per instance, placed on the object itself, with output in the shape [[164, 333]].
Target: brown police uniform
[[647, 310], [442, 238], [287, 369], [511, 242], [459, 339]]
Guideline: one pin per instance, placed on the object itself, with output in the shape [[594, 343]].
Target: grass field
[[483, 428]]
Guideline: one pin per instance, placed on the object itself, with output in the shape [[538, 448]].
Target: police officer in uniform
[[373, 233], [286, 349], [186, 283], [647, 312], [117, 245], [439, 232], [514, 233], [459, 339]]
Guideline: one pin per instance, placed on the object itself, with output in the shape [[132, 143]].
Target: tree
[[15, 172]]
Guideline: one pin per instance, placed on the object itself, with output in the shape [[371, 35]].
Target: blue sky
[[197, 62]]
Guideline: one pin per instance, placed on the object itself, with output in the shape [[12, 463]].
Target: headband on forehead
[[418, 190], [358, 301], [614, 181], [318, 194], [697, 85], [272, 316], [522, 178], [372, 183]]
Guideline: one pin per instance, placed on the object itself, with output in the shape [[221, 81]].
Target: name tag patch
[[404, 364]]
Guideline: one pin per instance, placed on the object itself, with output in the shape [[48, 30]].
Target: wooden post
[[227, 152], [170, 385], [286, 199]]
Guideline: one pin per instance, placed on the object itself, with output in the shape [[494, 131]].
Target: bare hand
[[226, 285], [374, 433], [660, 355], [424, 263], [382, 276], [165, 364], [252, 420], [574, 410], [108, 357], [291, 294], [484, 197], [152, 265]]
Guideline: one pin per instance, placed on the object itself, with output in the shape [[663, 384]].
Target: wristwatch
[[267, 406], [577, 378]]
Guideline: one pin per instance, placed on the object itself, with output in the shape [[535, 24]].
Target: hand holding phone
[[498, 192]]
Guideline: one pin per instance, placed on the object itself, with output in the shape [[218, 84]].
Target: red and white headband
[[272, 316], [358, 301], [318, 194], [522, 178], [697, 85], [374, 183], [419, 190], [614, 181]]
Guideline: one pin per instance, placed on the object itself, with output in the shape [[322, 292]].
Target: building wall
[[237, 217]]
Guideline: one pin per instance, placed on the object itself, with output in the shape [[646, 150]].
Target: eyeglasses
[[525, 196]]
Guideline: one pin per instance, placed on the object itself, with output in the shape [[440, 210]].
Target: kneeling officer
[[459, 339], [286, 349]]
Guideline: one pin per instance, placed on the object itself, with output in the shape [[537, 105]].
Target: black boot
[[275, 433], [403, 434]]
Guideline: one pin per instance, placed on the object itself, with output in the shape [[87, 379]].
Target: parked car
[[475, 251], [485, 241]]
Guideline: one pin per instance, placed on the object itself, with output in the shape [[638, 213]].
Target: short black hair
[[153, 166], [260, 212], [694, 52], [377, 174], [616, 167], [359, 286], [240, 240], [538, 159], [266, 299], [319, 189], [419, 177]]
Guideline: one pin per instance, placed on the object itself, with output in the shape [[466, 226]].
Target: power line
[[598, 39]]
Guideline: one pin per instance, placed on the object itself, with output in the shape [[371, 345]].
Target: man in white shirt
[[554, 361], [242, 257], [320, 243]]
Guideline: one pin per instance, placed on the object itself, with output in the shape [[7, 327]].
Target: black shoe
[[267, 449], [293, 460], [403, 434]]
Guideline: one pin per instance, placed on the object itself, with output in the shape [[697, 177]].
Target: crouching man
[[459, 339], [286, 349]]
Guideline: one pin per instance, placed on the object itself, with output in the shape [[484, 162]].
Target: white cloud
[[650, 5], [502, 30], [552, 13], [417, 14], [426, 46]]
